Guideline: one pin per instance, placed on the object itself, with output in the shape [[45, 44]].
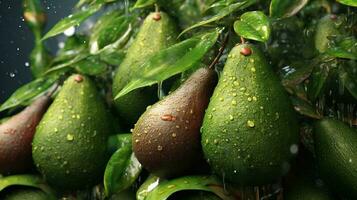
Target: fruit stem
[[220, 52], [157, 8], [242, 40]]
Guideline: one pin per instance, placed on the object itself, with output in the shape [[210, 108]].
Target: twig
[[220, 52]]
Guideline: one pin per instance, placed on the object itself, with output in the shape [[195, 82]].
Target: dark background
[[16, 41]]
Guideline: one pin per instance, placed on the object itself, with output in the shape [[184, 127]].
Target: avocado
[[16, 136], [69, 146], [249, 131], [327, 27], [166, 138], [335, 148], [156, 33]]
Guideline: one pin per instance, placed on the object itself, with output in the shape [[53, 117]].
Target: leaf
[[26, 180], [27, 92], [72, 20], [344, 47], [205, 183], [151, 183], [109, 29], [118, 141], [112, 58], [67, 64], [170, 61], [348, 2], [286, 8], [122, 170], [297, 72], [317, 80], [253, 25], [222, 13], [305, 108], [144, 3], [91, 65], [348, 77]]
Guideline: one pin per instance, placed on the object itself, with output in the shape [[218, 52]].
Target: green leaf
[[205, 183], [305, 108], [286, 8], [72, 20], [109, 28], [317, 80], [222, 13], [144, 3], [68, 64], [112, 58], [122, 170], [348, 77], [26, 180], [91, 65], [151, 183], [118, 141], [297, 72], [170, 61], [253, 25], [26, 93], [343, 47], [348, 2]]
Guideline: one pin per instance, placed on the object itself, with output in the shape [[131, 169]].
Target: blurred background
[[17, 41]]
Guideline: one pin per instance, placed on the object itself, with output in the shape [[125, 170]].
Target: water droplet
[[56, 130], [234, 102], [137, 141], [70, 31], [215, 141], [254, 98], [70, 137], [173, 135], [250, 123], [159, 148], [231, 117], [253, 69], [171, 186], [350, 160], [249, 99]]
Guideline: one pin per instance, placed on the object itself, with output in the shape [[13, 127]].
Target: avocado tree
[[187, 99]]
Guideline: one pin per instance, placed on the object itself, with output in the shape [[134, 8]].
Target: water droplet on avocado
[[70, 137]]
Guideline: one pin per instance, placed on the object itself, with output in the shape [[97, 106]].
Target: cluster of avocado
[[240, 125]]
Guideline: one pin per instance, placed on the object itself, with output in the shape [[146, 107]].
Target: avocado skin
[[69, 146], [249, 91], [154, 35], [25, 194], [335, 148], [326, 27]]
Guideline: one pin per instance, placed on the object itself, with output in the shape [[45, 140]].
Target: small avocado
[[16, 136], [166, 139], [156, 33], [335, 148], [69, 146], [328, 26], [250, 130]]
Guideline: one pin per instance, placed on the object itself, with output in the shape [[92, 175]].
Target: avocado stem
[[220, 52]]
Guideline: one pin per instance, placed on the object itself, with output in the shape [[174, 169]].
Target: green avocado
[[250, 131], [69, 146], [335, 148], [327, 27], [156, 33]]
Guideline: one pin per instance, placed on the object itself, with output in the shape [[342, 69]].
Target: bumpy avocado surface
[[166, 139], [156, 33], [250, 131], [69, 146], [335, 148]]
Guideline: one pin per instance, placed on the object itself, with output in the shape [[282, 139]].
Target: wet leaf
[[72, 20], [122, 170], [26, 180], [151, 183], [144, 3], [305, 108], [253, 25], [91, 65], [348, 2], [112, 57], [286, 8], [296, 73], [170, 61], [26, 93], [166, 188], [118, 141], [222, 13], [109, 28], [344, 47]]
